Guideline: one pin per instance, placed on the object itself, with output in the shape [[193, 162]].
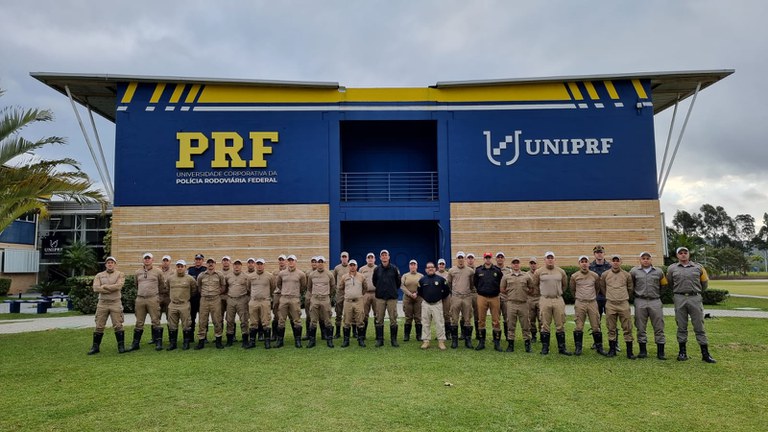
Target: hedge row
[[5, 286]]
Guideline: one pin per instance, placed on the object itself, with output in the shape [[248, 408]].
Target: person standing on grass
[[180, 287], [648, 281], [194, 302], [211, 285], [262, 285], [533, 301], [487, 280], [355, 286], [688, 280], [617, 286], [433, 289], [322, 285], [369, 297], [291, 282], [517, 285], [460, 279], [409, 284], [386, 279], [163, 298], [109, 285], [551, 281], [237, 303], [443, 272], [340, 270], [585, 284], [282, 264], [471, 264], [149, 283]]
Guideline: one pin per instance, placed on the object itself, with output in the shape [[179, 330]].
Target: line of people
[[451, 300]]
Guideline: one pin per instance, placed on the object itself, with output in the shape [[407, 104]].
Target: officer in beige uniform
[[109, 285], [551, 280], [308, 298], [460, 279], [338, 272], [648, 281], [237, 303], [533, 301], [409, 284], [211, 285], [226, 270], [262, 285], [323, 287], [149, 281], [369, 296], [180, 287], [516, 286], [355, 285], [475, 313], [500, 259], [281, 265], [162, 298], [442, 271], [585, 284], [617, 286], [290, 282]]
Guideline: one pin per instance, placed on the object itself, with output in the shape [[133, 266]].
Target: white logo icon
[[494, 152]]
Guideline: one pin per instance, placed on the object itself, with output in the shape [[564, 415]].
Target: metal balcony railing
[[389, 186]]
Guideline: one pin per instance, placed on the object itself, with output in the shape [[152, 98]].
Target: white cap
[[370, 254], [314, 258], [291, 257], [226, 257], [260, 261], [533, 259], [515, 259], [182, 262], [441, 261], [166, 257], [345, 254], [646, 253], [237, 261], [413, 261], [681, 248], [500, 253], [147, 255], [352, 262], [320, 258], [111, 258], [470, 255], [548, 253], [251, 259], [460, 254], [615, 256], [281, 256], [583, 257], [384, 251]]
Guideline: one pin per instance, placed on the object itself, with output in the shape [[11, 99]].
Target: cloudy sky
[[417, 43]]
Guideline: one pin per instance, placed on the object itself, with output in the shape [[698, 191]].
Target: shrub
[[714, 296], [129, 294], [82, 295], [5, 286]]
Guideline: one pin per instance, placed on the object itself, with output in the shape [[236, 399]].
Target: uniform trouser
[[619, 311], [307, 305], [601, 305], [321, 310], [534, 313], [147, 306], [369, 300], [290, 307], [587, 309], [390, 307], [179, 312], [260, 312], [224, 306], [518, 311], [461, 305], [239, 306], [164, 300], [339, 307], [275, 304], [692, 306], [412, 309], [653, 309], [447, 309], [210, 307], [194, 307], [432, 313], [353, 312], [483, 304], [475, 311], [112, 309], [552, 307], [503, 309]]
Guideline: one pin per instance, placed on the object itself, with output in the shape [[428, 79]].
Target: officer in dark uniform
[[194, 301]]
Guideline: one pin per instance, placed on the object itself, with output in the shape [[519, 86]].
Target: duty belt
[[261, 299], [211, 297], [237, 297], [146, 297], [518, 301], [352, 300], [551, 297], [647, 298], [321, 296], [688, 294], [179, 302]]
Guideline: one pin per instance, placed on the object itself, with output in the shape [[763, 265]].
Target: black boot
[[365, 328], [246, 338], [345, 343], [393, 336], [361, 336], [407, 332], [449, 329], [705, 354], [297, 336], [510, 345], [329, 339], [463, 331], [201, 344], [135, 345], [477, 330], [379, 336], [312, 336], [275, 333], [454, 337], [267, 338], [630, 354], [611, 349], [660, 351], [643, 350], [252, 335], [528, 346], [338, 332], [259, 334], [308, 324], [683, 355], [497, 340], [188, 338], [481, 344], [544, 343], [354, 332], [230, 339], [533, 336], [468, 337], [158, 333], [96, 343], [597, 338], [173, 336], [578, 339], [219, 344], [120, 337], [419, 327], [561, 344]]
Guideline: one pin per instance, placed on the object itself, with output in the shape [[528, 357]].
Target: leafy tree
[[78, 258], [26, 185], [686, 223]]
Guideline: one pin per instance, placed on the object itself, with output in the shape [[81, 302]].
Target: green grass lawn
[[745, 287], [17, 316], [50, 384], [739, 303]]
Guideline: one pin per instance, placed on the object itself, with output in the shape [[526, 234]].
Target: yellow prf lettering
[[259, 149], [224, 152], [186, 149]]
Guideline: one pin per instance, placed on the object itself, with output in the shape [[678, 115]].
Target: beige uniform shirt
[[167, 274], [109, 285], [409, 282], [517, 285], [617, 285], [367, 271], [353, 286], [536, 293], [237, 284], [291, 282], [550, 281], [181, 287], [585, 285], [149, 282], [262, 284], [210, 284], [322, 283], [460, 280]]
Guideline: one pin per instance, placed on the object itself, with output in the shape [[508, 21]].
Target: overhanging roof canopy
[[99, 91]]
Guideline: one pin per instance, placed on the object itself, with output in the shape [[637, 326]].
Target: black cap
[[199, 256]]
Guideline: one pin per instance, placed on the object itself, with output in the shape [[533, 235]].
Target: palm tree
[[26, 185], [78, 258]]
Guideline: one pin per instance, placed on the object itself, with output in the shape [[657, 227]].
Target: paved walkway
[[86, 321]]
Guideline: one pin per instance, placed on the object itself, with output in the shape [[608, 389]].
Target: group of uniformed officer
[[265, 302]]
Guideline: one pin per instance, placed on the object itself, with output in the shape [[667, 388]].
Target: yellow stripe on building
[[575, 91], [591, 90], [611, 90], [129, 92], [177, 93], [639, 89], [192, 93], [157, 93]]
